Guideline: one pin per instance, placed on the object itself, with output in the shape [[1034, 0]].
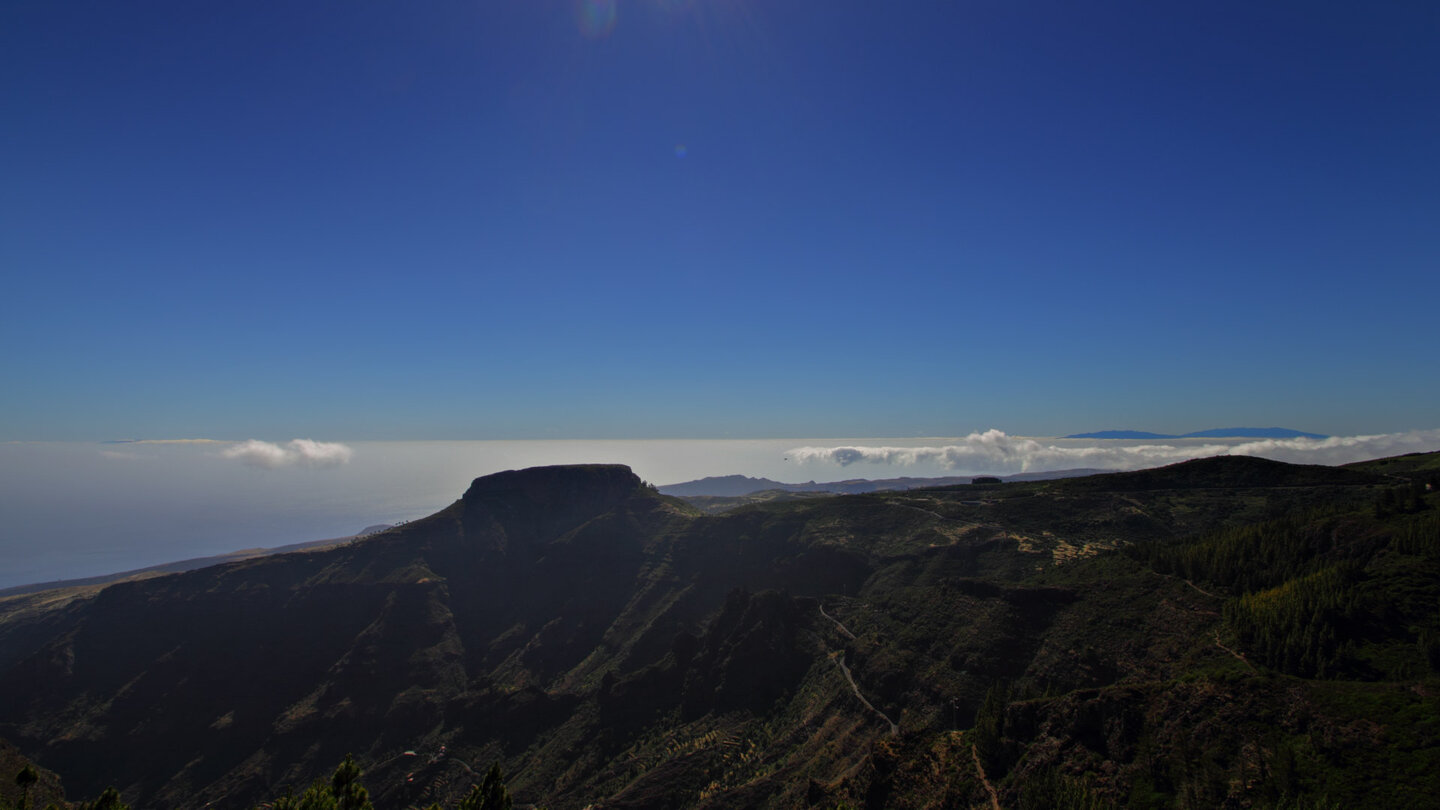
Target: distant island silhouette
[[1214, 433]]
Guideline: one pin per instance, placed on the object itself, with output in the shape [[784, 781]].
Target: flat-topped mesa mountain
[[610, 645], [545, 502]]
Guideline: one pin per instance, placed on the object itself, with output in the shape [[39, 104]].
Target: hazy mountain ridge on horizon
[[741, 485], [1213, 433]]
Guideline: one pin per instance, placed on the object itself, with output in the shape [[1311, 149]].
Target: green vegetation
[[25, 780], [1292, 627], [26, 786], [1052, 790], [109, 800], [343, 791], [1326, 592], [1243, 559]]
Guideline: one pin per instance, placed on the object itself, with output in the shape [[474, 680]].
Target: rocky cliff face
[[542, 503]]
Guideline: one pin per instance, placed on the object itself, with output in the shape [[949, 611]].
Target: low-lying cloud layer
[[295, 453], [997, 452]]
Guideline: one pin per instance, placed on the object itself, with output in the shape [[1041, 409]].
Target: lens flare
[[596, 18]]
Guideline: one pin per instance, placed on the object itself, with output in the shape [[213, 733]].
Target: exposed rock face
[[541, 503]]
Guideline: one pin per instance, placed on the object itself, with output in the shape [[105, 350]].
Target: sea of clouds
[[998, 452]]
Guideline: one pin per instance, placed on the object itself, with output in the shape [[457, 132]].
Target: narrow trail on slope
[[980, 769], [930, 512], [839, 659], [1202, 590], [1237, 655], [845, 631], [1190, 609], [1218, 643], [838, 656], [1197, 588]]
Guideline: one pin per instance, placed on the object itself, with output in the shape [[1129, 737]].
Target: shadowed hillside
[[1228, 630]]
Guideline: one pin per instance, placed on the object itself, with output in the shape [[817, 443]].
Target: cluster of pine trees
[[1260, 555], [1304, 600], [1293, 627], [343, 791], [1047, 790]]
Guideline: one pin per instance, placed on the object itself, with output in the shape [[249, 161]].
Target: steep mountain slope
[[610, 645]]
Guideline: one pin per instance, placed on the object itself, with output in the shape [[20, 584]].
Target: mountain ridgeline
[[1223, 632], [735, 486]]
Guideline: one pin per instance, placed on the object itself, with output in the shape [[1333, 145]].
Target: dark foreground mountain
[[1225, 632]]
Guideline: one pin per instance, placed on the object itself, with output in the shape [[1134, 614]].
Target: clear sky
[[708, 218]]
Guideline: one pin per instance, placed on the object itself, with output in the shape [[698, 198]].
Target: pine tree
[[345, 784], [25, 779], [109, 800], [490, 794], [344, 792]]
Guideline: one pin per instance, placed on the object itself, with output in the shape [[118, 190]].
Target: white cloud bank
[[997, 452], [297, 452]]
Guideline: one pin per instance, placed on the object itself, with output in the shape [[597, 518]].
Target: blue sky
[[690, 218]]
